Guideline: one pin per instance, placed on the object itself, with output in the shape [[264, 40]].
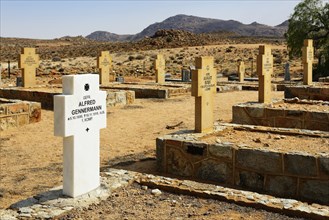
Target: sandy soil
[[31, 156], [271, 141], [317, 107]]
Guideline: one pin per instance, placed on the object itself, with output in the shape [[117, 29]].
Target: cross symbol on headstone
[[308, 57], [104, 63], [28, 62], [159, 66], [264, 70], [204, 88], [80, 112]]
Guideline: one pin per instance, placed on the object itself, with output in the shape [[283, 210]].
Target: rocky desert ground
[[31, 156], [78, 55]]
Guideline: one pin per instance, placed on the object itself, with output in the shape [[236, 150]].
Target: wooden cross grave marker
[[159, 66], [104, 63], [28, 62], [264, 70], [308, 57], [204, 89], [241, 71]]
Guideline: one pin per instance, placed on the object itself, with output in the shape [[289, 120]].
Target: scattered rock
[[56, 59], [156, 192], [257, 140]]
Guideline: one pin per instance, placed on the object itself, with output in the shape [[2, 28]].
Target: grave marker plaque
[[28, 62], [308, 57], [203, 89], [159, 66], [104, 63], [79, 114], [241, 71], [264, 70], [186, 75]]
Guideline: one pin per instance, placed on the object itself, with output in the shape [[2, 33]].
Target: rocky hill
[[107, 36], [197, 25]]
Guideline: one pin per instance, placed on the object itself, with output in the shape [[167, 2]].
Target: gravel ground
[[139, 202]]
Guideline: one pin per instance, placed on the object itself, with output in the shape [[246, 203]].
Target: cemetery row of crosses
[[83, 104]]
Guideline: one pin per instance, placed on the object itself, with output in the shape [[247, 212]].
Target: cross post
[[79, 114], [28, 62], [204, 89], [308, 57], [104, 63], [241, 71], [264, 71], [159, 66]]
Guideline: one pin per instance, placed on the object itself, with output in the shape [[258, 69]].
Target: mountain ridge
[[197, 25]]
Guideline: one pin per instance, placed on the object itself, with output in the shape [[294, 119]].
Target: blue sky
[[53, 19]]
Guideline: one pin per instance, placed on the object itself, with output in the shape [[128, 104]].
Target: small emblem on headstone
[[86, 87]]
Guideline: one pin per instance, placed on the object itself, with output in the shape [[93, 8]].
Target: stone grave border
[[152, 90], [255, 113], [52, 203], [315, 92], [115, 97], [16, 113], [289, 175]]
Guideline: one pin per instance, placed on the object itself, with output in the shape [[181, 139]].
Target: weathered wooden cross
[[241, 71], [204, 89], [104, 63], [159, 66], [79, 114], [28, 62], [264, 71], [308, 57]]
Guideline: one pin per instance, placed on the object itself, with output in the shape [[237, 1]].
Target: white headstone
[[80, 112]]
